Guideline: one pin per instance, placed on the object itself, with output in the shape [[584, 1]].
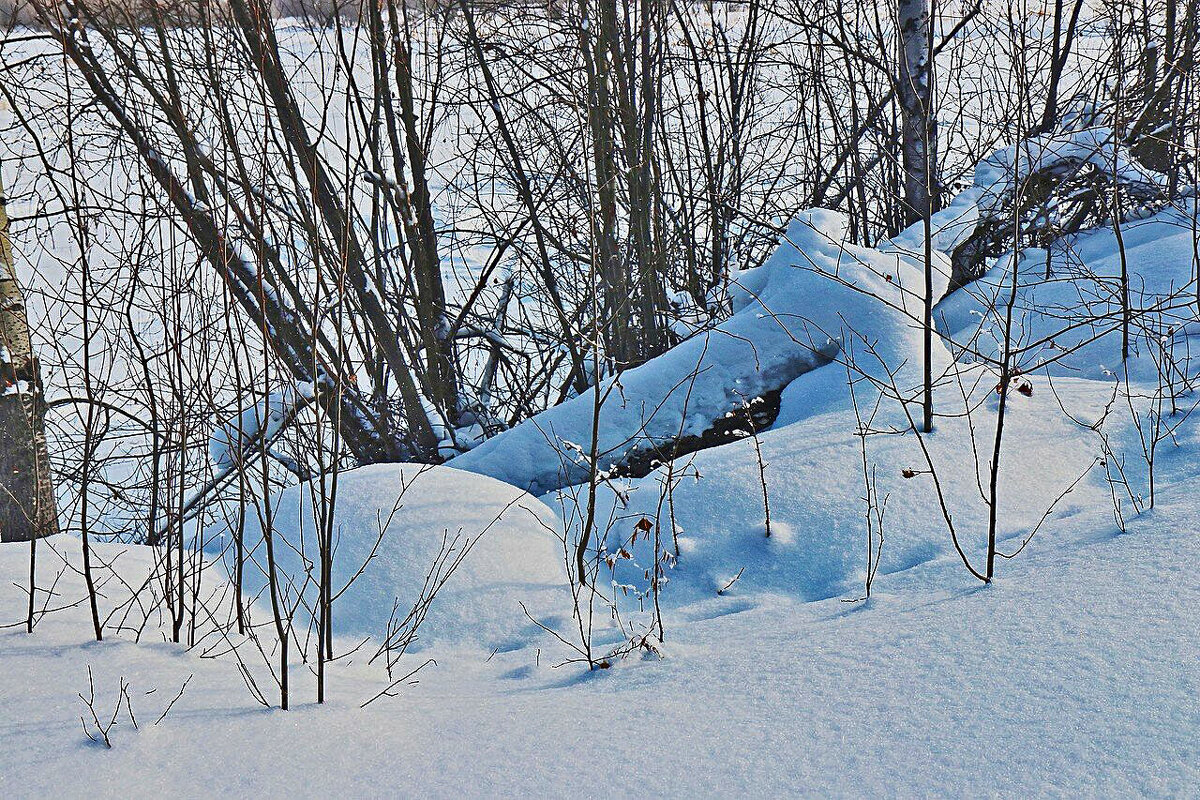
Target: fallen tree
[[1047, 187], [790, 317]]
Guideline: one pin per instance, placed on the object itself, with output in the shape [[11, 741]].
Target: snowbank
[[392, 521], [790, 316], [1052, 460], [1070, 324]]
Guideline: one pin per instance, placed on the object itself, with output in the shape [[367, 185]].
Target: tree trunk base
[[27, 507]]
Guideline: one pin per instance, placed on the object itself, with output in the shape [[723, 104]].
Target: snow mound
[[816, 488], [1053, 464], [1084, 284], [391, 523], [790, 317]]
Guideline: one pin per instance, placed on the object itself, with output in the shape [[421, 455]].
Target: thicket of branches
[[397, 208]]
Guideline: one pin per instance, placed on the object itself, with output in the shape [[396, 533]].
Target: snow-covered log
[[790, 316], [233, 439], [1046, 186]]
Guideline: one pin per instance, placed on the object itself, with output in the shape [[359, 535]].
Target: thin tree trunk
[[1058, 61], [441, 368], [613, 305], [914, 91]]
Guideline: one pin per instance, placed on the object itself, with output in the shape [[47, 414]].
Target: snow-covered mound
[[1054, 461], [1085, 647], [790, 316], [1070, 323], [392, 521], [814, 474]]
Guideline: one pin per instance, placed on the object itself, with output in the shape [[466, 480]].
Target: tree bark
[[615, 300], [914, 93], [27, 507]]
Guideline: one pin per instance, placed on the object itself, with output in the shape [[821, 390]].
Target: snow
[[998, 174], [1085, 284], [790, 316], [815, 490], [1075, 672], [260, 421], [1064, 445], [390, 523]]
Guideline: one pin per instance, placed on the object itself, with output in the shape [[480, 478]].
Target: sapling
[[79, 230], [747, 405], [95, 728], [875, 508]]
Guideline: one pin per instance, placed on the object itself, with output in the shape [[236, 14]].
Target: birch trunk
[[27, 508], [914, 94]]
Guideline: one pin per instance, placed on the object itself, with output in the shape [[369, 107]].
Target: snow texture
[[1075, 673], [391, 521]]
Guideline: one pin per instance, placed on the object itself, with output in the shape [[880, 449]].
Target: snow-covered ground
[[1075, 673]]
